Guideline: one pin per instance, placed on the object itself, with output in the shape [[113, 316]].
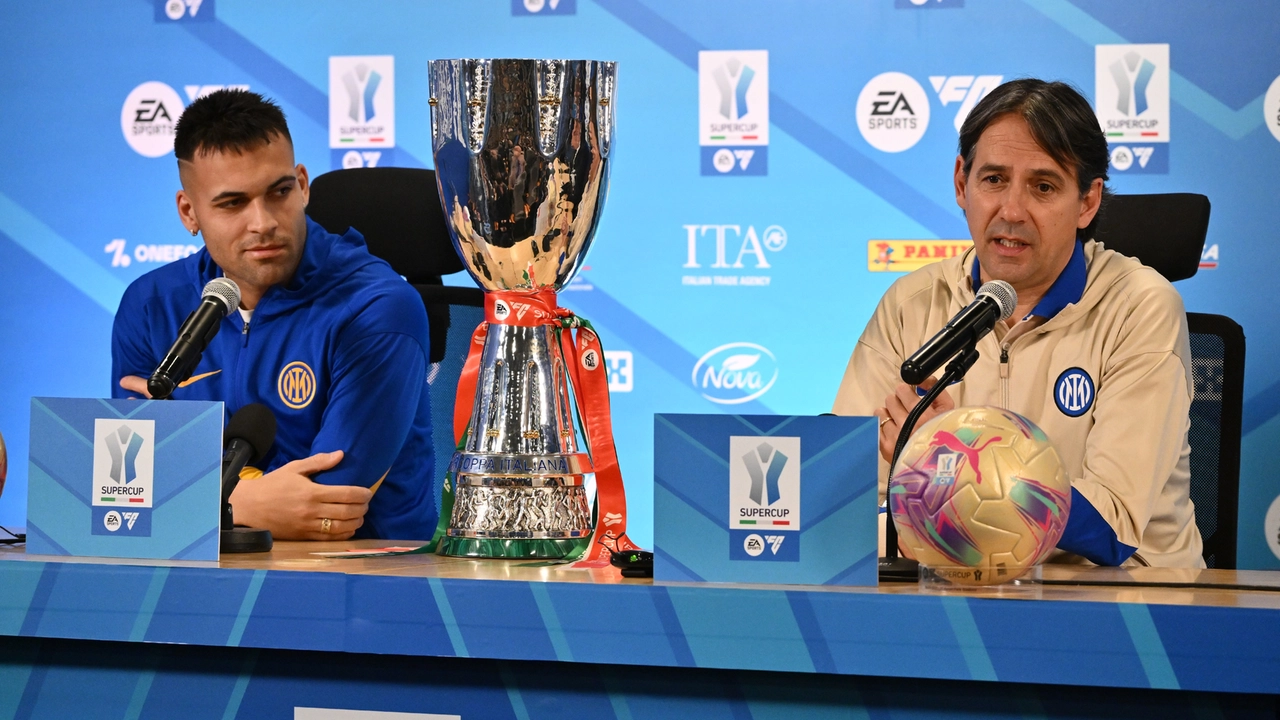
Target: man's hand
[[898, 405], [135, 384], [292, 506]]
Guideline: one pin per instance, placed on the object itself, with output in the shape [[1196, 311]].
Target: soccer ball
[[979, 495]]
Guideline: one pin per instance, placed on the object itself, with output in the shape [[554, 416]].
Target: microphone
[[220, 297], [248, 437], [996, 301]]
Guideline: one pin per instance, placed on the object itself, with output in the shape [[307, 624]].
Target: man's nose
[[261, 221], [1013, 205]]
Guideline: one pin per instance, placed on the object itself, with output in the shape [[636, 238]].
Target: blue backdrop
[[759, 191]]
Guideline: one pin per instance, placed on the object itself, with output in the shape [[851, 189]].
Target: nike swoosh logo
[[197, 378]]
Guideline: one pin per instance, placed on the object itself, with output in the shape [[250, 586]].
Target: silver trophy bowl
[[521, 152]]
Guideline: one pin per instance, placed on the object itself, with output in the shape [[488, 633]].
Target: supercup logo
[[148, 117], [1131, 84], [735, 373], [361, 104], [733, 111], [893, 112]]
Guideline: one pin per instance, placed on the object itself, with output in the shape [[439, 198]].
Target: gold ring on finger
[[325, 525]]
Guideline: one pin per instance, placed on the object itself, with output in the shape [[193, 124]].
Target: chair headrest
[[398, 212], [1166, 231]]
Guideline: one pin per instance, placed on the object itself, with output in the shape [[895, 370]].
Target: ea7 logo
[[964, 89], [775, 542]]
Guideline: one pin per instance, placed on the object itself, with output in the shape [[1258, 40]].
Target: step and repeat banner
[[778, 165]]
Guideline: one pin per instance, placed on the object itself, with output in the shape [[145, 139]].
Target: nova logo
[[123, 462], [764, 497], [148, 116], [619, 363], [121, 257], [183, 10], [735, 373], [733, 112], [892, 112], [1131, 89], [964, 89], [361, 102]]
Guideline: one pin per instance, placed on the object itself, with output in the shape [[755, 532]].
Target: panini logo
[[908, 255]]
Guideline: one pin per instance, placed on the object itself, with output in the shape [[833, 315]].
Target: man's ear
[[1090, 203], [304, 184], [961, 183], [187, 212]]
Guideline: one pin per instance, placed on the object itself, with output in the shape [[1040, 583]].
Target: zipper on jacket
[[1004, 375]]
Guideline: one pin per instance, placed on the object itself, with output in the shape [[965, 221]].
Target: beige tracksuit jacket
[[1127, 453]]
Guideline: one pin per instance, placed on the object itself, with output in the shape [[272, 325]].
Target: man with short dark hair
[[1030, 178], [327, 336]]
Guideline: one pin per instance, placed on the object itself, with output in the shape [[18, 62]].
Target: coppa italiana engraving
[[517, 464]]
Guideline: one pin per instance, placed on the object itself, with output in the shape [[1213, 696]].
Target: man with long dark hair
[[1030, 177]]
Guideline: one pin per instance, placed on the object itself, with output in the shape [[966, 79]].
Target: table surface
[[1160, 586]]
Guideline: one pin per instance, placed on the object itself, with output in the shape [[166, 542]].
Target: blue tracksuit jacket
[[339, 354]]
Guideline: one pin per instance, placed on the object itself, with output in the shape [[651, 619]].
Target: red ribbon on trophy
[[584, 359]]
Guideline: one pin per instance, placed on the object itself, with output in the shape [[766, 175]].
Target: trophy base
[[547, 548]]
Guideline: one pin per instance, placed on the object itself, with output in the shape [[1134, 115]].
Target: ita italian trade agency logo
[[362, 110], [764, 498], [733, 111], [123, 476]]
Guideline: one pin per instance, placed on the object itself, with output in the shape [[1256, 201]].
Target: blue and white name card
[[125, 478], [765, 499]]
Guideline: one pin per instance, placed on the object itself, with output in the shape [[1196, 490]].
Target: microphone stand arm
[[892, 567]]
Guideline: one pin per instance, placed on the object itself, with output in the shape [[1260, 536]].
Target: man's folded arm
[[375, 393]]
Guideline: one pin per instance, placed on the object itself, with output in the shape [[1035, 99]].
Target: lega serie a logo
[[296, 385]]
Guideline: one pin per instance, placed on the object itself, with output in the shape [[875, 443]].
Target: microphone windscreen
[[256, 425], [225, 290], [1004, 295]]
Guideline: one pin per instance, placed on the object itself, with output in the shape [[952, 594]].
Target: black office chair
[[398, 212], [1167, 232]]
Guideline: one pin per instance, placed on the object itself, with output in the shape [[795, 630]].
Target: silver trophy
[[521, 152]]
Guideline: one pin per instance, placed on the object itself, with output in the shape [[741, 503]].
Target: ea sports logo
[[1073, 392], [753, 544], [893, 112], [148, 117], [501, 310]]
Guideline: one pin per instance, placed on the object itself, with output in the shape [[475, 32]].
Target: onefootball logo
[[735, 373], [892, 112]]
